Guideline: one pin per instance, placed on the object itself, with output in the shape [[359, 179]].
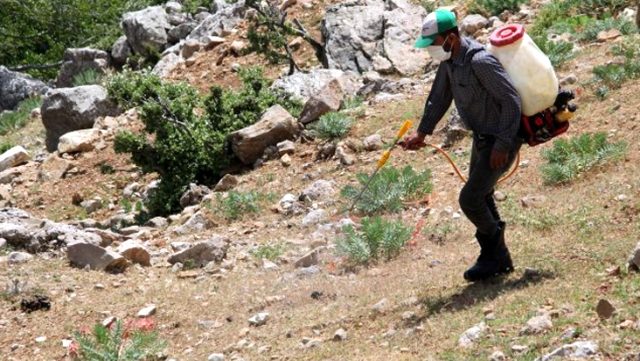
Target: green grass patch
[[389, 189], [12, 121], [376, 238], [332, 126], [612, 76], [87, 77], [270, 252], [495, 7], [567, 159], [237, 204]]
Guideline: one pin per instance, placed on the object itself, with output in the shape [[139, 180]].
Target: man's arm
[[497, 82], [437, 103]]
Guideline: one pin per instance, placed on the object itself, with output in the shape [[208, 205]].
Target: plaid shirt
[[486, 99]]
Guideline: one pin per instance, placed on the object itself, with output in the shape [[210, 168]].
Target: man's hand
[[413, 142], [498, 159]]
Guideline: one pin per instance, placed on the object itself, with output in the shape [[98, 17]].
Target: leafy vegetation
[[613, 75], [389, 189], [14, 120], [236, 204], [567, 159], [495, 7], [134, 341], [87, 77], [377, 237], [184, 139], [332, 126], [270, 252]]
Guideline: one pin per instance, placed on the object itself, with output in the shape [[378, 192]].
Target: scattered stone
[[319, 190], [16, 87], [497, 356], [608, 35], [568, 80], [471, 335], [373, 142], [308, 260], [519, 348], [165, 66], [285, 160], [211, 42], [99, 286], [344, 155], [472, 23], [14, 157], [259, 319], [537, 325], [135, 252], [157, 222], [120, 51], [303, 85], [227, 183], [499, 196], [202, 253], [605, 309], [569, 333], [19, 257], [308, 342], [314, 217], [275, 125], [286, 147], [181, 31], [220, 23], [83, 254], [328, 99], [381, 307], [196, 223], [3, 243], [340, 335], [268, 265], [35, 303], [193, 195], [215, 357], [147, 311], [41, 339], [77, 61], [533, 201], [578, 349], [634, 259], [91, 205], [621, 197], [146, 30]]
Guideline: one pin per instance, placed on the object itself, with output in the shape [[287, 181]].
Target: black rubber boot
[[494, 257]]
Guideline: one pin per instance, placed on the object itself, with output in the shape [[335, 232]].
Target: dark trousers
[[476, 198]]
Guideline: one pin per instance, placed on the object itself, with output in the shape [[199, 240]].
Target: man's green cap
[[435, 23]]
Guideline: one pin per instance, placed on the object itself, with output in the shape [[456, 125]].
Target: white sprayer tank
[[529, 68]]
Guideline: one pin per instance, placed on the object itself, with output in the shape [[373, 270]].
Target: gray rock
[[309, 259], [340, 335], [16, 235], [193, 195], [67, 109], [605, 309], [189, 48], [472, 23], [373, 142], [314, 217], [157, 222], [213, 250], [289, 204], [533, 201], [275, 125], [202, 16], [344, 155], [210, 42], [455, 130], [16, 87], [120, 51], [8, 175], [537, 325], [3, 243], [78, 141], [578, 349], [303, 85], [14, 157], [328, 99], [196, 223], [221, 22], [227, 183], [165, 66], [471, 335], [568, 80], [19, 257], [216, 357], [91, 205], [259, 319], [146, 30], [97, 258], [286, 147], [173, 7], [181, 31], [319, 190], [79, 60], [384, 32], [381, 306], [147, 311], [497, 356], [131, 189], [634, 259], [135, 252]]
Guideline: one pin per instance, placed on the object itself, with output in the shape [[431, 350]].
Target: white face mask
[[437, 52]]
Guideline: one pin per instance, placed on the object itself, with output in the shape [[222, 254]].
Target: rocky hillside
[[257, 265]]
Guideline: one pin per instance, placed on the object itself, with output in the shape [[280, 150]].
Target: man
[[490, 106]]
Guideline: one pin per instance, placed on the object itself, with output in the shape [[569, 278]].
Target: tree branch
[[36, 66]]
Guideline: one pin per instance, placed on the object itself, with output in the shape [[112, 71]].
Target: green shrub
[[615, 74], [11, 121], [377, 237], [120, 343], [236, 204], [495, 7], [5, 146], [389, 189], [567, 159], [332, 126], [558, 52], [184, 139], [270, 252], [87, 77]]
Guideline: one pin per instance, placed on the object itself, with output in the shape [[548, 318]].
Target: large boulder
[[472, 23], [220, 23], [77, 61], [120, 51], [81, 254], [303, 85], [166, 65], [13, 157], [364, 35], [276, 125], [78, 141], [16, 87], [328, 99], [69, 109], [146, 30], [213, 250]]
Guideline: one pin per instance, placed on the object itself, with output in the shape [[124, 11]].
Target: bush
[[236, 204], [270, 252], [615, 74], [377, 237], [567, 159], [495, 7], [87, 77], [184, 139], [558, 52], [132, 342], [389, 189], [332, 126], [14, 120], [5, 146]]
